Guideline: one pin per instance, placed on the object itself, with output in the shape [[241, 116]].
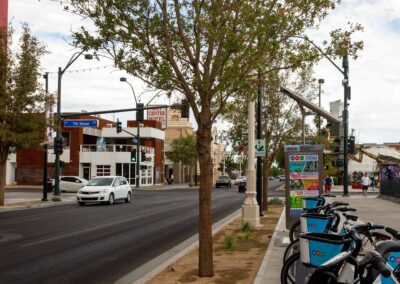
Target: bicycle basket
[[393, 260], [311, 202], [317, 248], [315, 223]]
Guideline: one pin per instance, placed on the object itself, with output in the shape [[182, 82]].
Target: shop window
[[103, 170]]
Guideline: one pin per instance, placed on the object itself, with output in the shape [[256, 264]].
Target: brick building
[[90, 152]]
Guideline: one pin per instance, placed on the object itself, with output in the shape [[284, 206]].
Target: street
[[101, 243]]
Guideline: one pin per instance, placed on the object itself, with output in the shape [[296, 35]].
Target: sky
[[374, 76]]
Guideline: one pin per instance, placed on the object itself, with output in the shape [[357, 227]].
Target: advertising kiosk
[[304, 177]]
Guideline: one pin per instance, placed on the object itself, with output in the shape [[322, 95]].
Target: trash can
[[49, 186]]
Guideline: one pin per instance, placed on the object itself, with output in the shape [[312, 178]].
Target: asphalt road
[[100, 243]]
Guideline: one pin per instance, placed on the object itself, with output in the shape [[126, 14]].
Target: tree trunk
[[204, 139], [265, 185]]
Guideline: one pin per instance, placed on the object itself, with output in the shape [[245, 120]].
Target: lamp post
[[346, 87], [137, 179], [61, 72], [320, 82], [250, 208]]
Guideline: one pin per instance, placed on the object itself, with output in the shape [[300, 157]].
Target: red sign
[[159, 114]]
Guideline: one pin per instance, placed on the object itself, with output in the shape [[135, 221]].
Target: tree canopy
[[22, 100]]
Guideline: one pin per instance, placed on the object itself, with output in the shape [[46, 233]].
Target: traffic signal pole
[[345, 65], [138, 156]]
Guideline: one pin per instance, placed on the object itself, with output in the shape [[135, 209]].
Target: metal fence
[[391, 188]]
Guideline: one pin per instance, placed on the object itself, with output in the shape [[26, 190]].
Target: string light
[[85, 69]]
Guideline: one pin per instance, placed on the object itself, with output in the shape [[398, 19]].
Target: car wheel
[[111, 199], [81, 203], [128, 198]]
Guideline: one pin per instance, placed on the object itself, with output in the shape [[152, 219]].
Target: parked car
[[71, 183], [105, 189], [271, 178], [242, 186], [240, 179], [223, 181], [282, 178]]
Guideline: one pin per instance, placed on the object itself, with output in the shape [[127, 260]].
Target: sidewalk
[[369, 209]]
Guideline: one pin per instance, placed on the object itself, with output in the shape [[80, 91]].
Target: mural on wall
[[389, 172]]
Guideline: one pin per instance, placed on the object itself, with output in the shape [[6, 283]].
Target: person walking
[[365, 184], [328, 184]]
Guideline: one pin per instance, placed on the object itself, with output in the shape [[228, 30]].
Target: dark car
[[223, 181], [242, 186]]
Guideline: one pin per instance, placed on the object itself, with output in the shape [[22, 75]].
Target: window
[[123, 181], [103, 170], [66, 138]]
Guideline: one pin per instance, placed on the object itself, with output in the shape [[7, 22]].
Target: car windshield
[[223, 177], [100, 182]]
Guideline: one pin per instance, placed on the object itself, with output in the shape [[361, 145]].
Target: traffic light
[[140, 112], [184, 108], [133, 155], [351, 145], [119, 127], [337, 163], [238, 137], [143, 157], [58, 146], [336, 145]]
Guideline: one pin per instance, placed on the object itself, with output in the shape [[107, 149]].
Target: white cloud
[[374, 77]]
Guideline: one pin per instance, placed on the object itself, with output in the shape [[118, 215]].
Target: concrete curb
[[36, 206], [263, 267], [149, 270], [281, 188]]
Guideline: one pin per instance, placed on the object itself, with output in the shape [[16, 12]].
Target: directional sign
[[260, 147], [81, 123]]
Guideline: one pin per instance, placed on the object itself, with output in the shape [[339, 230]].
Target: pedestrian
[[328, 184], [365, 184]]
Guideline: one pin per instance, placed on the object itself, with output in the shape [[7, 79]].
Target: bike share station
[[304, 179]]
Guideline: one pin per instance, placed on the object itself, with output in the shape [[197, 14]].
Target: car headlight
[[104, 190]]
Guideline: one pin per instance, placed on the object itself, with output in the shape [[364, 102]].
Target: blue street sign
[[81, 123]]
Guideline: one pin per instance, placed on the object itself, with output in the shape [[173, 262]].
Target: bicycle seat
[[395, 233], [388, 246], [338, 203], [350, 217]]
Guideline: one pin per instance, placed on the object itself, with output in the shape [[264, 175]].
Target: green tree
[[22, 100], [184, 151], [205, 50]]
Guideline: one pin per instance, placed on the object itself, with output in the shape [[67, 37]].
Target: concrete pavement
[[369, 209]]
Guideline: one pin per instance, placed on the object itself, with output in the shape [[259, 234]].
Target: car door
[[65, 183], [117, 188], [123, 188], [76, 184]]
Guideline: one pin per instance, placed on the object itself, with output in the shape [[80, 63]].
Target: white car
[[240, 179], [105, 189], [71, 183]]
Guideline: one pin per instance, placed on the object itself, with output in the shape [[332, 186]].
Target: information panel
[[304, 170], [303, 180]]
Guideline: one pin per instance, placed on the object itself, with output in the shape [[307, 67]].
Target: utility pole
[[259, 180], [320, 82], [45, 147], [345, 65]]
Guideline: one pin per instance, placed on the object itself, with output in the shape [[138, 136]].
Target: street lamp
[[61, 72], [123, 79], [346, 87], [320, 82]]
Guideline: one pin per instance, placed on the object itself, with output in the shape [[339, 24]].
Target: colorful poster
[[303, 180]]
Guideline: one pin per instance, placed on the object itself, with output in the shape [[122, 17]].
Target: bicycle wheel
[[289, 269], [291, 250], [294, 232]]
